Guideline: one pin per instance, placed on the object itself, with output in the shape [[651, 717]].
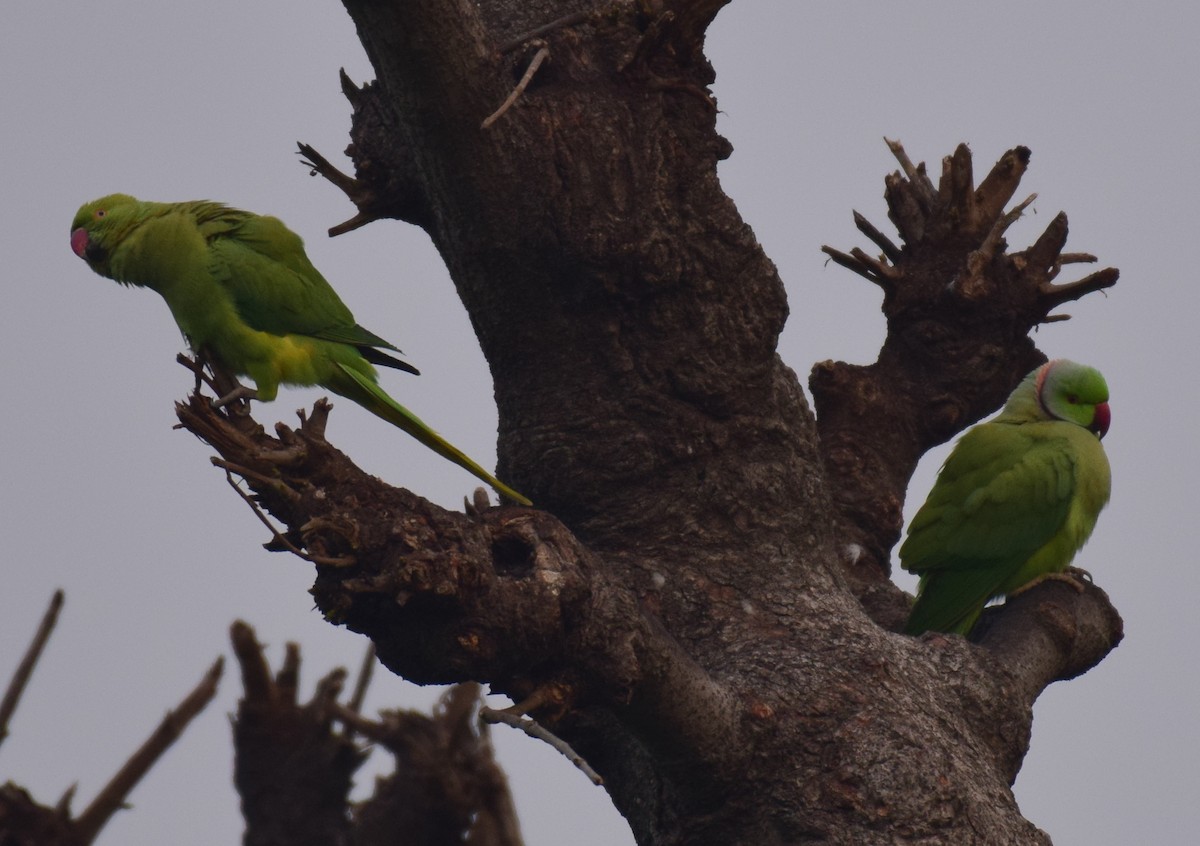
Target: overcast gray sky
[[188, 101]]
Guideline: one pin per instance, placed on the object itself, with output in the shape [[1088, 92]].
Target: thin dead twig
[[112, 798], [277, 537], [511, 717], [542, 54], [365, 670], [20, 678], [565, 21]]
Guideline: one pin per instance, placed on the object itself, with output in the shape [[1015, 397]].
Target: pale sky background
[[174, 101]]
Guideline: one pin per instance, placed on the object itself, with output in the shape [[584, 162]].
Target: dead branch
[[447, 786], [1052, 296], [546, 29], [540, 56], [292, 770], [112, 798], [535, 730], [16, 685], [890, 250], [365, 671]]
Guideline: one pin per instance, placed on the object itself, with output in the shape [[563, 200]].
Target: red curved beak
[[79, 242], [1101, 420]]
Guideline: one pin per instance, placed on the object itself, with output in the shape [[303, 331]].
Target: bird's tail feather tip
[[367, 393]]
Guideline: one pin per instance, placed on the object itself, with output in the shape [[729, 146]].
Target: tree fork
[[687, 612]]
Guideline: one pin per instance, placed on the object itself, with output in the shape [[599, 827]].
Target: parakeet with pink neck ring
[[1017, 498]]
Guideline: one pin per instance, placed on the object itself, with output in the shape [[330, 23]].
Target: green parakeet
[[1016, 499], [243, 292]]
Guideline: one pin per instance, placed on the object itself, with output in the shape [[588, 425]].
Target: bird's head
[[1075, 393], [98, 227]]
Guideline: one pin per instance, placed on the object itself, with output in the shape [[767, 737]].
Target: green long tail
[[363, 390], [949, 601]]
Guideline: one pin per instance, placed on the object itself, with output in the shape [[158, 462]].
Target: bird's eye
[[100, 213], [1072, 399]]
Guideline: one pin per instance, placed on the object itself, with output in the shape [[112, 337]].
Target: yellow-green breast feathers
[[1017, 498]]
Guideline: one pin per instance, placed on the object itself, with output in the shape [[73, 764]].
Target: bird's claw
[[1074, 577], [241, 392], [1080, 575]]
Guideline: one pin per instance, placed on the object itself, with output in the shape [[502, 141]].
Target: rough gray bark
[[699, 603]]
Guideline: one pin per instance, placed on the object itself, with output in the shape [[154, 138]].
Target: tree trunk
[[699, 603]]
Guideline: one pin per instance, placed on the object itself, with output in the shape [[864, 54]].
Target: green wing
[[1004, 493], [274, 286]]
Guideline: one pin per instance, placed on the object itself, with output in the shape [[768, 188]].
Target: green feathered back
[[1016, 499], [275, 288]]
